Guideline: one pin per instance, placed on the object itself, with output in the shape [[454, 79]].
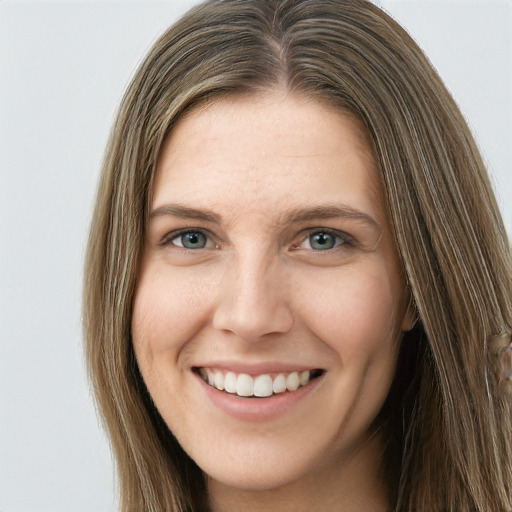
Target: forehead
[[257, 148]]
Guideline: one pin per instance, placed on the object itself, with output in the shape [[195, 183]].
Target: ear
[[411, 314]]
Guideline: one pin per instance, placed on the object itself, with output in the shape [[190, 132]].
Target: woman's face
[[269, 269]]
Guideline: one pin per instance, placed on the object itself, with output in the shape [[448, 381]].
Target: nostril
[[253, 322]]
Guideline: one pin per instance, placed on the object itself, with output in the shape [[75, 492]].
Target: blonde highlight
[[454, 448]]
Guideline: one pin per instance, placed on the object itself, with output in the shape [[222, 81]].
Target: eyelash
[[347, 240], [170, 237]]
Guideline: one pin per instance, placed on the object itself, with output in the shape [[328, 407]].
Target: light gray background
[[63, 68]]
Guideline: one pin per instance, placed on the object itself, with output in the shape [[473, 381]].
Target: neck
[[352, 482]]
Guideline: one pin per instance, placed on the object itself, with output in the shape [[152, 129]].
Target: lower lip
[[258, 409]]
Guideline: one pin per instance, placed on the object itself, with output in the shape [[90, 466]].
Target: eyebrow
[[295, 215], [330, 212], [185, 212]]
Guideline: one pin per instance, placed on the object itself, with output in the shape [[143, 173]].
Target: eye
[[323, 241], [190, 240]]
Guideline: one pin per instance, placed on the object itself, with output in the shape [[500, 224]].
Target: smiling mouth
[[257, 386]]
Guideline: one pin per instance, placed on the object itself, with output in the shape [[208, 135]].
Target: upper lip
[[256, 368]]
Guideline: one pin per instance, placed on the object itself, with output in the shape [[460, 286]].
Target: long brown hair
[[448, 413]]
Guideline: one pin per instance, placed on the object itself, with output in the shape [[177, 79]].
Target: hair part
[[448, 411]]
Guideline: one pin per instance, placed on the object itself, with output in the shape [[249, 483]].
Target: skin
[[260, 291]]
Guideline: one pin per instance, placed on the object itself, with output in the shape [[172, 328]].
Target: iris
[[322, 241], [193, 240]]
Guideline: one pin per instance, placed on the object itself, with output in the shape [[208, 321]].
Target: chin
[[254, 477]]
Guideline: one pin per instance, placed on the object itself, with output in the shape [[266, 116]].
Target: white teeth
[[292, 381], [263, 385], [230, 382], [260, 386], [244, 385], [279, 385], [304, 377], [219, 380]]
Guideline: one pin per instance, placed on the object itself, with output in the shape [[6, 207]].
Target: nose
[[253, 299]]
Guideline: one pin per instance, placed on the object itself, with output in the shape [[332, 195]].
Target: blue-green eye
[[322, 241], [191, 240]]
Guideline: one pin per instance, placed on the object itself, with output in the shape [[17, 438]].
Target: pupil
[[322, 241], [193, 240]]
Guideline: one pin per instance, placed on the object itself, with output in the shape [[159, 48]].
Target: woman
[[297, 278]]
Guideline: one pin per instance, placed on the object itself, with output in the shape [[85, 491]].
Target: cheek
[[355, 312], [169, 308]]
